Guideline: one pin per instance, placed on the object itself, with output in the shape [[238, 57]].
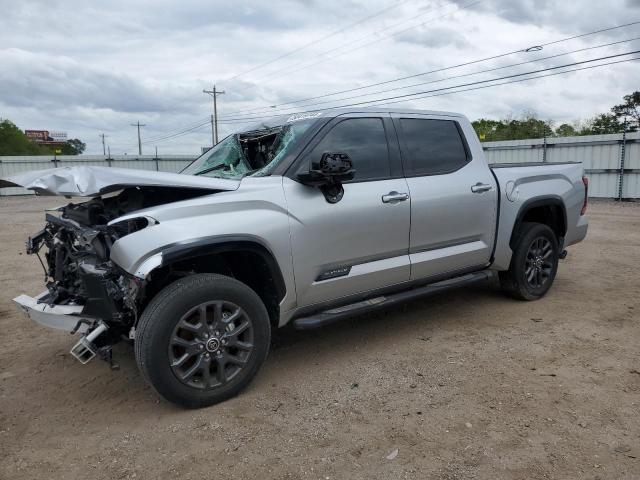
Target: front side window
[[432, 147], [364, 140]]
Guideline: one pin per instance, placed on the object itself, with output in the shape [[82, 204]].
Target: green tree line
[[13, 141], [529, 126]]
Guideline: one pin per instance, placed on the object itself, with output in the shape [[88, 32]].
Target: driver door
[[361, 243]]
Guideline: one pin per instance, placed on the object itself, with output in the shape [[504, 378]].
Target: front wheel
[[534, 263], [202, 339]]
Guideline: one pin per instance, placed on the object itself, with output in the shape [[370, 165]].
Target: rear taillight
[[585, 182]]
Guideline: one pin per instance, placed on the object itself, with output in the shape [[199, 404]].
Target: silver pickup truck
[[304, 220]]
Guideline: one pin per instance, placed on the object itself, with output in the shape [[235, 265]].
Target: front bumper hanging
[[60, 317]]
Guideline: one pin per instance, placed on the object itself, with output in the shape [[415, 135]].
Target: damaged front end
[[86, 291]]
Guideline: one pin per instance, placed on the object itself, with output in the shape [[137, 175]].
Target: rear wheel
[[202, 339], [534, 263]]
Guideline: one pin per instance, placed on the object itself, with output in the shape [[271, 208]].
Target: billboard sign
[[58, 136], [46, 136], [38, 135]]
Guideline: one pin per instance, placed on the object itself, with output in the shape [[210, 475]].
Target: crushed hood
[[88, 181]]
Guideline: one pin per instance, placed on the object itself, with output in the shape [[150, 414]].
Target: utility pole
[[138, 124], [213, 134], [102, 135], [214, 93], [623, 151]]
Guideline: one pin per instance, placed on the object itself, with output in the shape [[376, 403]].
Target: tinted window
[[364, 140], [432, 146]]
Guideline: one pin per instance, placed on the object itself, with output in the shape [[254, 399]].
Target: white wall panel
[[600, 155], [596, 152]]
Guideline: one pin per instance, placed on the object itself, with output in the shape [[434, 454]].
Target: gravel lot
[[469, 384]]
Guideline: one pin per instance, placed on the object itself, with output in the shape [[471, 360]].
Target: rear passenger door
[[361, 243], [453, 195]]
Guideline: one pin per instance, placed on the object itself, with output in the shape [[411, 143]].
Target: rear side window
[[364, 140], [432, 147]]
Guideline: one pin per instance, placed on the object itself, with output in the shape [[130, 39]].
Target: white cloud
[[434, 37], [89, 68]]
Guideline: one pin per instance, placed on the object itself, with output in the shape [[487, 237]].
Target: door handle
[[481, 187], [395, 197]]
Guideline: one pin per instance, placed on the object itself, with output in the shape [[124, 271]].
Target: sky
[[89, 68]]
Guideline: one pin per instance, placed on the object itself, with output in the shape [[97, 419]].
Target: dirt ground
[[469, 384]]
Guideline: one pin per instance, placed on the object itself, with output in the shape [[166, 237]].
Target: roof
[[340, 111], [277, 120]]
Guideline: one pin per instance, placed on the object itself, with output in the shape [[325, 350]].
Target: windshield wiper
[[217, 167]]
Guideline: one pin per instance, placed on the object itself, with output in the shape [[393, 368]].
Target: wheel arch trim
[[205, 246], [541, 201]]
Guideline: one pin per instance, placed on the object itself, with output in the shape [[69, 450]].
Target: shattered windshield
[[255, 151]]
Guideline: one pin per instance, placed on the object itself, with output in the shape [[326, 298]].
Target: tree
[[74, 147], [486, 129], [566, 130], [601, 125], [528, 126], [630, 110], [14, 142], [70, 147]]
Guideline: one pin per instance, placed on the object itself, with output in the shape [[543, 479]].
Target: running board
[[335, 314]]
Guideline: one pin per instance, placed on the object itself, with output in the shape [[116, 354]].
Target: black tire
[[170, 339], [534, 263]]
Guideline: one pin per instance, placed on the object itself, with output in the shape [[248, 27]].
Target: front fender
[[255, 213]]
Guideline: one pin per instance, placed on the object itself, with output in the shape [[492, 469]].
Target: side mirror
[[328, 175]]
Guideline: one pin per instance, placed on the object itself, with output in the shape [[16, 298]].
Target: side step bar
[[330, 316]]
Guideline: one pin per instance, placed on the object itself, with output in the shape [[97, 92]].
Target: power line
[[415, 94], [288, 71], [177, 134], [473, 87], [407, 96], [478, 72], [496, 79], [228, 119], [173, 137], [319, 40], [442, 69], [170, 135], [203, 121], [461, 75], [515, 81]]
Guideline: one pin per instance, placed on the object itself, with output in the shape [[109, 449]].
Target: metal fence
[[13, 165], [612, 162]]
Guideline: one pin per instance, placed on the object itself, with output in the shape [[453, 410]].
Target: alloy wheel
[[211, 344], [539, 262]]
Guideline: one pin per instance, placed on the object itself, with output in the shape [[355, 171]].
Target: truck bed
[[522, 184]]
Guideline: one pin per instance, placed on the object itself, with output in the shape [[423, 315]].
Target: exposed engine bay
[[97, 284], [77, 245]]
